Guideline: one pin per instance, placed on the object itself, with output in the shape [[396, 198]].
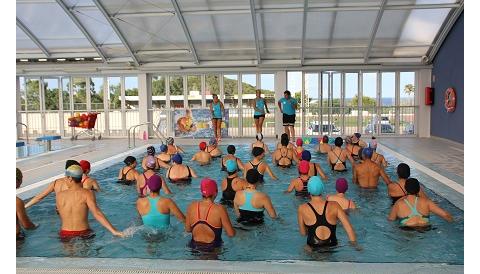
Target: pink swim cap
[[299, 142], [304, 167], [208, 187], [341, 185]]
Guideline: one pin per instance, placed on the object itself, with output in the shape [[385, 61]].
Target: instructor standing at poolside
[[287, 106]]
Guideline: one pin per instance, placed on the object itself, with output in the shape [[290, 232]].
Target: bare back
[[73, 209], [367, 174]]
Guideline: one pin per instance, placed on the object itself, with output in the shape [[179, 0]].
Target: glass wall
[[407, 101], [158, 92], [32, 88], [267, 85], [369, 103], [132, 115], [387, 117], [176, 92], [96, 93], [115, 106], [351, 103], [212, 86], [194, 89], [79, 94], [52, 105], [230, 102], [249, 85]]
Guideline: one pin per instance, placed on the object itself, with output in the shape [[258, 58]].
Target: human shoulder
[[19, 202]]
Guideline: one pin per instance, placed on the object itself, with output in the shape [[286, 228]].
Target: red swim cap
[[304, 167], [85, 165], [202, 145], [208, 187], [299, 142]]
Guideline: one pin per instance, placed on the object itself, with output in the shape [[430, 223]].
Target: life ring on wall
[[450, 100]]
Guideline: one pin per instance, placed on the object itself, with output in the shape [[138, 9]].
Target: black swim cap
[[257, 151], [129, 160], [403, 171], [252, 176], [338, 141], [231, 149], [71, 163], [412, 186]]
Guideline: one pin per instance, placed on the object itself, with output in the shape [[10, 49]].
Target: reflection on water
[[379, 240]]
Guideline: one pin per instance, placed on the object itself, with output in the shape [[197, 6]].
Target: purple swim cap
[[154, 183], [341, 185], [151, 162]]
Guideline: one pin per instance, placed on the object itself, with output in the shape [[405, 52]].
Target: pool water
[[379, 239]]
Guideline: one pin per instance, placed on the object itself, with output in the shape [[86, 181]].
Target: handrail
[[156, 131], [26, 129]]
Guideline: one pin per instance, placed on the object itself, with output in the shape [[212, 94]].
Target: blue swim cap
[[367, 152], [231, 165], [306, 155], [315, 186], [177, 158], [163, 148]]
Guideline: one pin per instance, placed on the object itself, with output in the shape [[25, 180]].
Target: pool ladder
[[26, 130], [156, 131]]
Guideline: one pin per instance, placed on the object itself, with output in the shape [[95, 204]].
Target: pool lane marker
[[99, 164], [442, 179]]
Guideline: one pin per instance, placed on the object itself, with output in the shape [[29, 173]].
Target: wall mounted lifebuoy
[[450, 100]]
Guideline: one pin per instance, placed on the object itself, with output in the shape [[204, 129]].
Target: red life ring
[[450, 100]]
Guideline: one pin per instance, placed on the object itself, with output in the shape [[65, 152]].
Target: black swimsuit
[[217, 231], [185, 180], [321, 220], [229, 194], [304, 191], [284, 157], [260, 176], [336, 162], [124, 180], [355, 156], [395, 199]]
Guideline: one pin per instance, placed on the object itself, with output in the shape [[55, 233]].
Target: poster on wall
[[197, 123]]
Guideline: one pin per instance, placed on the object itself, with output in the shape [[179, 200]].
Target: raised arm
[[176, 211], [165, 187], [266, 106], [342, 216], [438, 211], [95, 185], [23, 217], [194, 175], [99, 216], [320, 171], [50, 188], [188, 222], [226, 224]]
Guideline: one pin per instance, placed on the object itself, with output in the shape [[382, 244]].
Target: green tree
[[51, 98], [366, 101], [115, 101], [409, 89], [33, 94]]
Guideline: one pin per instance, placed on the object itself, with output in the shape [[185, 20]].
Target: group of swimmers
[[205, 219]]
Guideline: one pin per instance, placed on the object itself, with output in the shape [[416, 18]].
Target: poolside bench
[[49, 139], [20, 144]]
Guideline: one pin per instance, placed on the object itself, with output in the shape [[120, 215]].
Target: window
[[230, 89], [159, 94], [267, 84], [388, 102], [51, 94], [79, 94], [194, 89], [66, 93], [212, 86], [176, 92], [114, 93], [23, 96], [96, 93], [32, 87], [249, 85], [131, 92], [312, 103], [294, 85], [407, 103]]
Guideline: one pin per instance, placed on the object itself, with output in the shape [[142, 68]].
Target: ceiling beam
[[304, 30], [178, 12], [117, 31], [32, 37], [80, 26], [255, 30], [374, 31]]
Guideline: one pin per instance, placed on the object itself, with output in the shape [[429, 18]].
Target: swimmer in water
[[142, 180], [259, 143], [414, 211], [300, 183], [88, 182], [202, 157], [341, 185], [205, 219], [180, 173], [259, 165], [163, 155], [299, 148], [338, 156], [22, 217], [158, 164], [232, 183], [73, 205], [213, 148], [249, 203], [379, 159], [155, 209], [127, 175], [172, 148], [354, 144], [318, 218], [324, 147], [397, 189], [231, 156], [315, 168], [284, 156], [56, 186], [367, 173]]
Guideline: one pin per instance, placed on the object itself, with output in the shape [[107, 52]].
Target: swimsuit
[[124, 180], [248, 213], [69, 234], [184, 180], [224, 168], [315, 169], [284, 157], [260, 176], [395, 199], [321, 220], [355, 156], [217, 241], [144, 188], [304, 191], [154, 218], [229, 194], [338, 161], [414, 212]]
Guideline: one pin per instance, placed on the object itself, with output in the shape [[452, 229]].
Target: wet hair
[[231, 149], [412, 186], [284, 141], [403, 171], [76, 179], [338, 141], [287, 92], [252, 176], [284, 136], [325, 139], [129, 160], [257, 151], [71, 163], [19, 177]]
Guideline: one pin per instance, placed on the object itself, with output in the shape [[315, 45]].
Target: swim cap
[[360, 153], [150, 162], [163, 148], [338, 141], [208, 187], [315, 186], [367, 152], [231, 165], [412, 186], [19, 177], [403, 171], [177, 158], [299, 142], [306, 155], [257, 151], [169, 141], [151, 150], [231, 149], [74, 171], [85, 165], [252, 176], [358, 135], [202, 146], [304, 167], [212, 141], [71, 163], [154, 183], [259, 136], [325, 139], [341, 185], [129, 160]]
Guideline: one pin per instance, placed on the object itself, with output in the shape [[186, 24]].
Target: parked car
[[314, 128], [409, 128], [385, 128], [384, 120]]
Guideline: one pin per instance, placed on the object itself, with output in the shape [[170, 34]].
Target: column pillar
[[422, 117], [280, 87], [144, 103]]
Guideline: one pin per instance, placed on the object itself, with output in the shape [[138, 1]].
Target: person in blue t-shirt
[[217, 109], [260, 106], [287, 106]]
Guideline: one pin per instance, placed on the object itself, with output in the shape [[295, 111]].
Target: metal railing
[[156, 131], [26, 130]]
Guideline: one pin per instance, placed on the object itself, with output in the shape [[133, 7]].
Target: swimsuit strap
[[401, 189], [85, 179], [413, 208], [168, 173], [189, 172]]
